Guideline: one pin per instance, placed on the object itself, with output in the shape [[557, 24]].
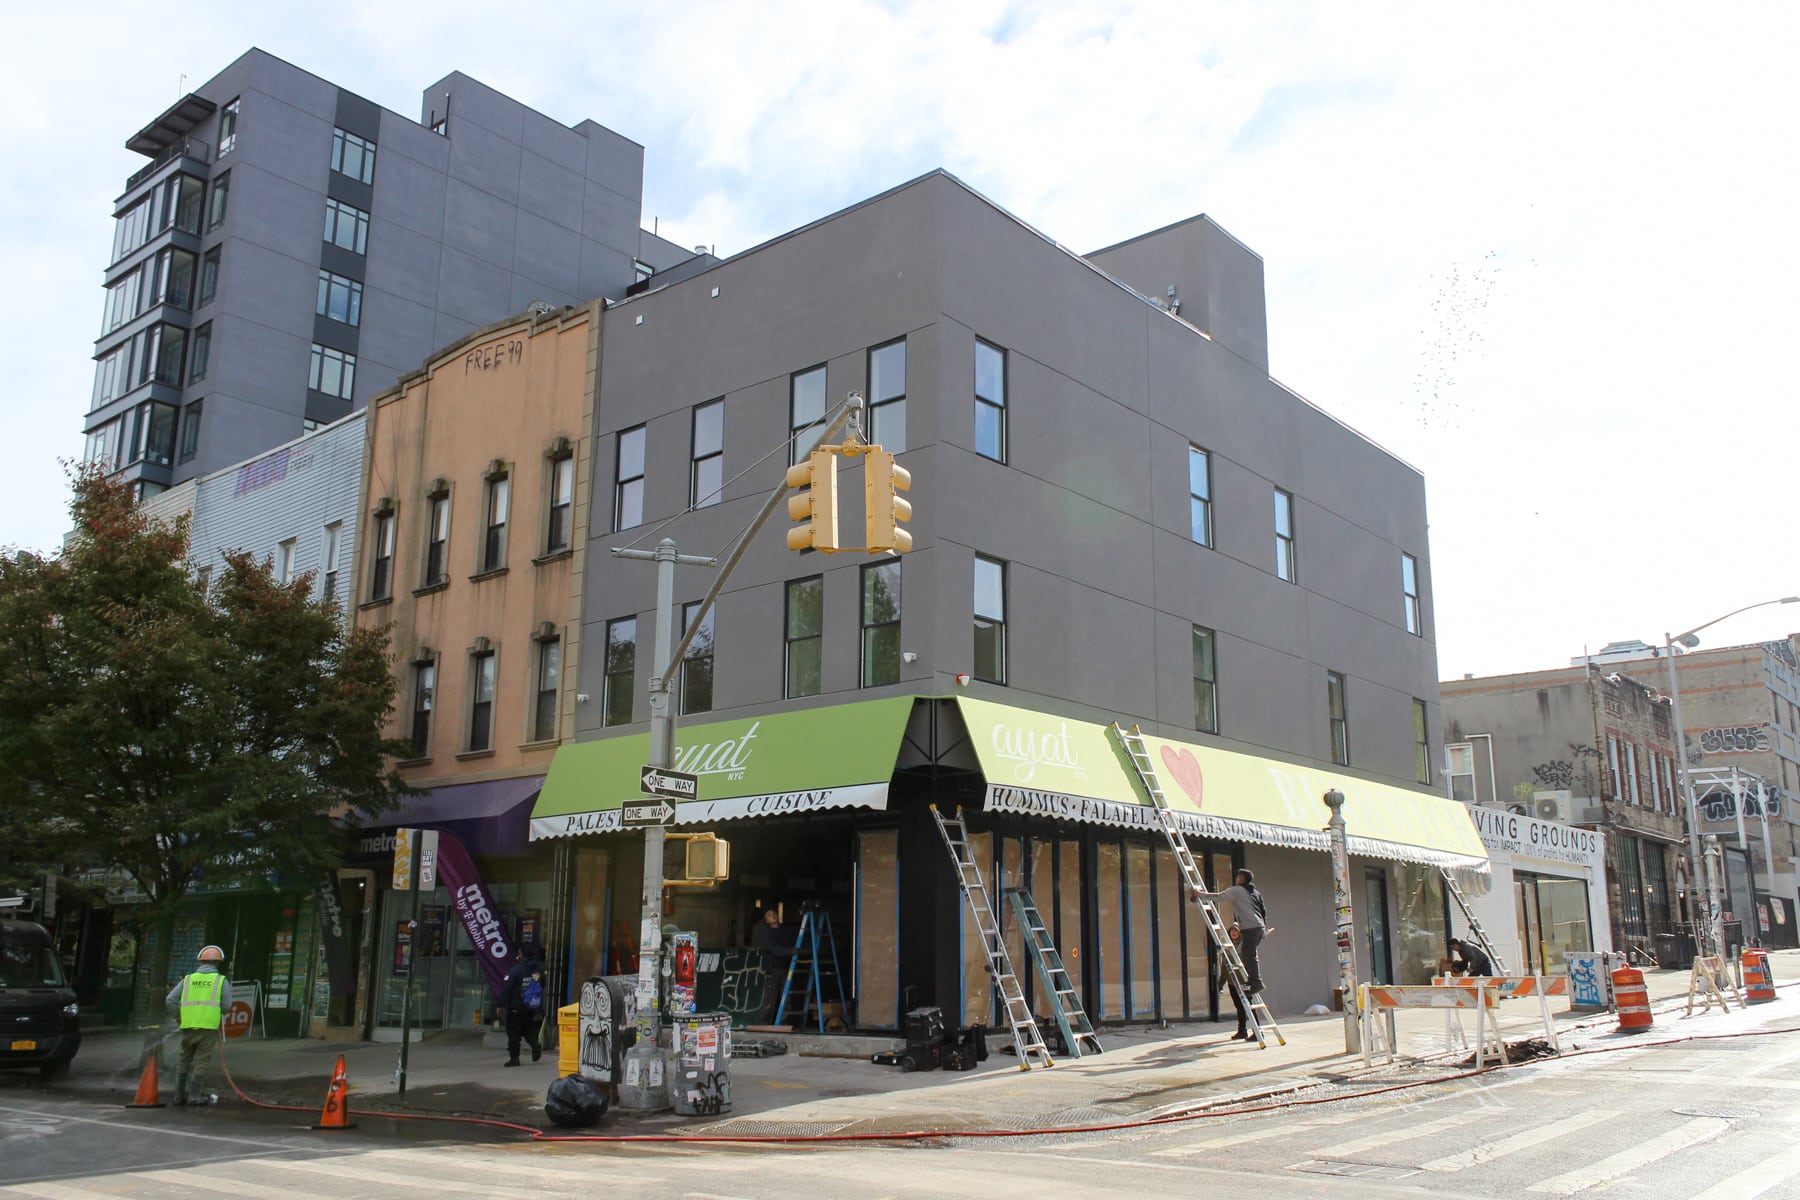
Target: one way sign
[[677, 785], [638, 816]]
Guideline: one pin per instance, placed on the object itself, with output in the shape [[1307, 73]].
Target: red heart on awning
[[1186, 769]]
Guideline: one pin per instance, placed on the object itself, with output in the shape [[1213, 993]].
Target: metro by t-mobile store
[[829, 806], [1549, 892]]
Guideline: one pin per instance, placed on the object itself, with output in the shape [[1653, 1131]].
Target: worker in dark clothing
[[524, 1004], [1475, 960], [777, 953]]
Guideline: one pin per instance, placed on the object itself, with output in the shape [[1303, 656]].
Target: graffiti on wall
[[1735, 739]]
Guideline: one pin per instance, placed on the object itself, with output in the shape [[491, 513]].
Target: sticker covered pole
[[1344, 929]]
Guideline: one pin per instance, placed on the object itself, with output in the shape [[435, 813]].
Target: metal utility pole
[[1716, 915], [1687, 794], [1346, 922], [645, 1086]]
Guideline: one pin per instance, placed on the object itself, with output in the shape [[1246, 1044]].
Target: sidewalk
[[1143, 1072]]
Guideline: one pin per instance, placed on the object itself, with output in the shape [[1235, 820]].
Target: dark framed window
[[696, 682], [220, 203], [990, 401], [1338, 713], [1200, 496], [707, 476], [168, 346], [424, 699], [1206, 680], [549, 681], [1284, 535], [334, 546], [153, 434], [381, 557], [437, 539], [621, 671], [990, 620], [881, 623], [482, 669], [190, 432], [346, 226], [628, 480], [806, 411], [496, 511], [173, 280], [181, 202], [1421, 743], [804, 633], [1409, 587], [332, 372], [340, 298], [228, 122], [559, 526], [202, 353], [887, 396], [352, 156], [209, 276]]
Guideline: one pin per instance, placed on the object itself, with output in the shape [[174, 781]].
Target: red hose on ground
[[540, 1135]]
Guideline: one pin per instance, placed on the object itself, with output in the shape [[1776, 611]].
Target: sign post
[[415, 868]]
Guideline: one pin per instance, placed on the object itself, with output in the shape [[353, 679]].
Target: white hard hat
[[210, 954]]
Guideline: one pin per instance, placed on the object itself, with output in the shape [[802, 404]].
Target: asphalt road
[[1714, 1119]]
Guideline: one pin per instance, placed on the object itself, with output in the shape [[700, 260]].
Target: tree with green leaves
[[180, 733]]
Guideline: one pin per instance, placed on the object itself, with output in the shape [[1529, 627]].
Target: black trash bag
[[573, 1102]]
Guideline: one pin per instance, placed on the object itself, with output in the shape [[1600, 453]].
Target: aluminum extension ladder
[[1028, 1040], [1077, 1031], [1257, 1015], [1468, 912], [809, 968]]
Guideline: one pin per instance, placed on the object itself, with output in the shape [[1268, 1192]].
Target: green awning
[[793, 762], [1043, 765]]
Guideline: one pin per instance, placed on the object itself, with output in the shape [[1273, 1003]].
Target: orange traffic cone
[[149, 1093], [336, 1113]]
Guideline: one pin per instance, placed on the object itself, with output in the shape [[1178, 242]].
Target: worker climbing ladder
[[1028, 1040], [815, 960], [1065, 1004], [1258, 1018], [1468, 912]]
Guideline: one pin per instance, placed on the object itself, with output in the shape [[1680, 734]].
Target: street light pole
[[1681, 761]]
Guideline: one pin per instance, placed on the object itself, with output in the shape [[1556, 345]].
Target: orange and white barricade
[[1512, 987], [1386, 999]]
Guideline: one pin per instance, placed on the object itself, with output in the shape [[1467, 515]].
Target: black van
[[40, 1021]]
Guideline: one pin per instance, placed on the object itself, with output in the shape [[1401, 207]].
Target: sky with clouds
[[1542, 252]]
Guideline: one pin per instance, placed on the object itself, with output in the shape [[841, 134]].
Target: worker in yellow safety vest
[[204, 998]]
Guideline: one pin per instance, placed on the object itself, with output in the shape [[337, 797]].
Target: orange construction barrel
[[1633, 999], [1759, 981]]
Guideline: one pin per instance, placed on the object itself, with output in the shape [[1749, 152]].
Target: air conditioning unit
[[1553, 806], [1518, 810]]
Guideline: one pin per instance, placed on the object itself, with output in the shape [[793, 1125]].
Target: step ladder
[[815, 961], [1028, 1040], [1259, 1020], [1468, 912], [1077, 1031]]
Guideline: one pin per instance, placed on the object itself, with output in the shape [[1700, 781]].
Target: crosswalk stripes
[[360, 1172], [58, 1191], [1274, 1129], [1688, 1133], [1376, 1141], [1754, 1180], [1523, 1140]]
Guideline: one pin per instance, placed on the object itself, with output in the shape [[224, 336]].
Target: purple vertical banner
[[456, 871]]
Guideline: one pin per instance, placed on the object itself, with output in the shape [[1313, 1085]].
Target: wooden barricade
[[1511, 987], [1711, 979], [1387, 998]]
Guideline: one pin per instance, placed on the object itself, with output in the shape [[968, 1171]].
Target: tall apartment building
[[290, 248], [1118, 516]]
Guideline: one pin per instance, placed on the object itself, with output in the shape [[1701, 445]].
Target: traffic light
[[883, 507], [815, 504]]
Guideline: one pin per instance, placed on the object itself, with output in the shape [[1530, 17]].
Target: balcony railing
[[192, 148]]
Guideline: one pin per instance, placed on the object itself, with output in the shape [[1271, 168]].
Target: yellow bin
[[568, 1039]]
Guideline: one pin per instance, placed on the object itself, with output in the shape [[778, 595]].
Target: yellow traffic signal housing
[[883, 507], [815, 504]]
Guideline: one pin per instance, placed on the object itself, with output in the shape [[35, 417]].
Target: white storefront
[[1548, 893]]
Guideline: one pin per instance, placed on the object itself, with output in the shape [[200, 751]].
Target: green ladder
[[1077, 1031]]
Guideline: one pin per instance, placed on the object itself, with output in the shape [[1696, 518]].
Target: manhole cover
[[1354, 1170], [1727, 1114]]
